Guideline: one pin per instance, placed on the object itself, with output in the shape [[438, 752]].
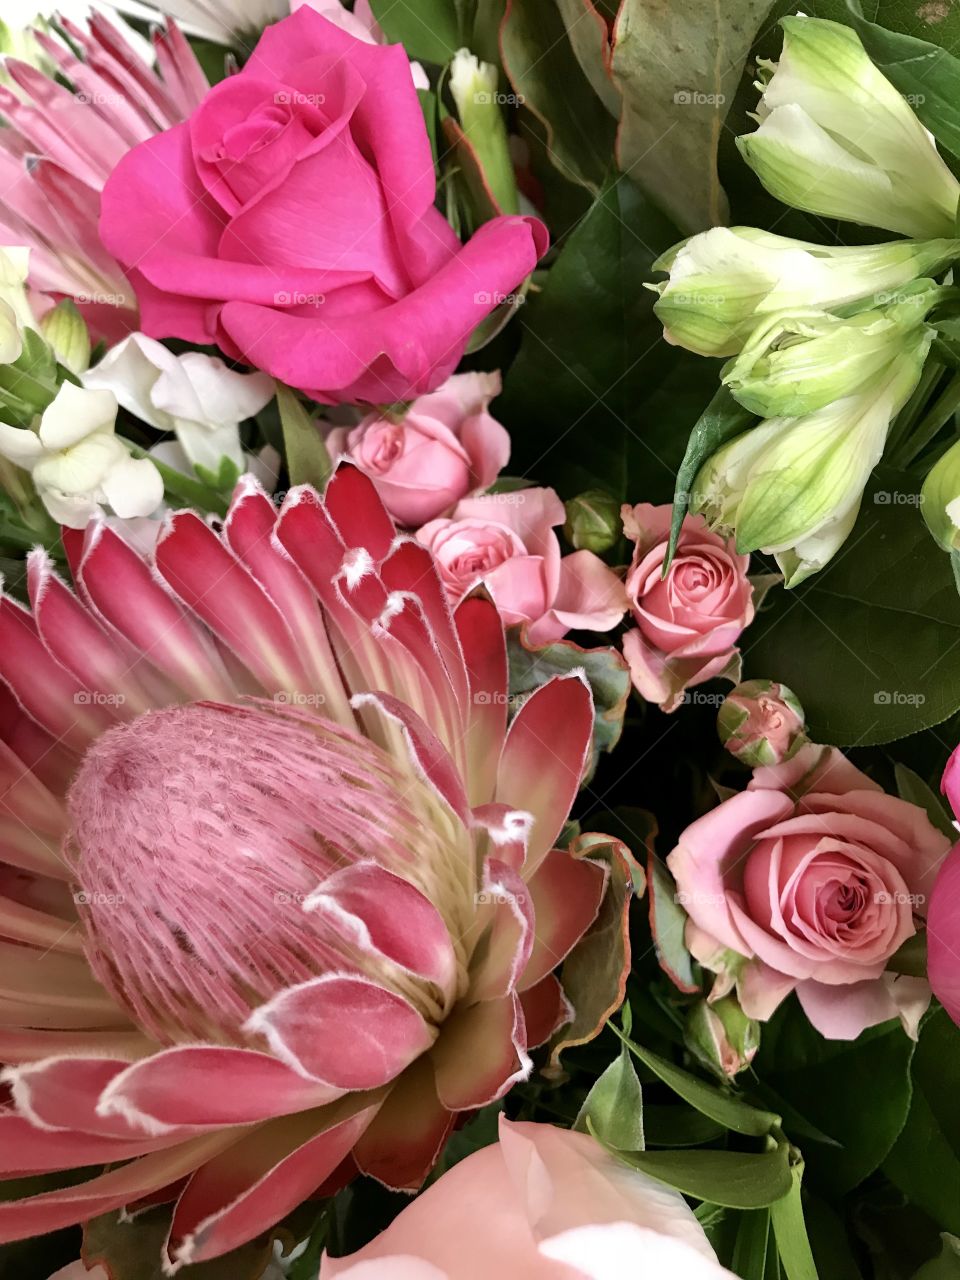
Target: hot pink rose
[[291, 221], [688, 623], [444, 446], [541, 1204], [507, 542], [816, 876], [943, 920]]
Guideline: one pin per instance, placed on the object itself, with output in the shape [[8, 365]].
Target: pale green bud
[[792, 486], [474, 85], [65, 330], [837, 139], [593, 521], [722, 1036], [724, 281], [796, 362], [940, 499]]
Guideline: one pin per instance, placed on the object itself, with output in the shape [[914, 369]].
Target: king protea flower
[[281, 897], [61, 144]]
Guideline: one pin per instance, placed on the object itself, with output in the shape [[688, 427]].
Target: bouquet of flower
[[479, 640]]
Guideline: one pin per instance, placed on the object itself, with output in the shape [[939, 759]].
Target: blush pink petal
[[761, 990], [842, 1012], [813, 768], [590, 597]]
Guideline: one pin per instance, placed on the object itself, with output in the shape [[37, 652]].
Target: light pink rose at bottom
[[78, 1271], [810, 880], [507, 542], [541, 1204]]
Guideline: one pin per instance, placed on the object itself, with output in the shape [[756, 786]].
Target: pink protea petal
[[61, 984], [26, 1150], [65, 1094], [357, 512], [19, 1045], [545, 1010], [502, 833], [207, 1086], [533, 774], [24, 797], [23, 923], [402, 1142], [566, 894], [484, 652], [343, 1030], [507, 922], [234, 1197], [481, 1053]]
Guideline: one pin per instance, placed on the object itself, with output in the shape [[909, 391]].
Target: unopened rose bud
[[837, 139], [761, 723], [474, 85], [940, 499], [66, 331], [722, 1036], [593, 521]]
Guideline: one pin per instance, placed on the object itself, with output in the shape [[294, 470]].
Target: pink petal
[[481, 1052], [842, 1012], [485, 656], [566, 893], [545, 1010], [507, 920], [402, 1142]]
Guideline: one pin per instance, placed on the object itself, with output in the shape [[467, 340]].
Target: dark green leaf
[[613, 1109], [307, 459], [749, 1259], [944, 1267], [791, 1232], [428, 30], [667, 925], [910, 786], [679, 1126], [730, 1178]]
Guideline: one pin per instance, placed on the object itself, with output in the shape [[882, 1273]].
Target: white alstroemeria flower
[[78, 463], [837, 139], [15, 312], [194, 395]]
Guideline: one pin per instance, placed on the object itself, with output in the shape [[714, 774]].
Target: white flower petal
[[133, 487], [75, 413], [130, 370], [20, 445]]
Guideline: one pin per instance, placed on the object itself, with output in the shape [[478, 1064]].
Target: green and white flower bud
[[761, 722], [722, 1036], [474, 86], [66, 331], [724, 281], [940, 499], [837, 139], [593, 521], [796, 362], [792, 486]]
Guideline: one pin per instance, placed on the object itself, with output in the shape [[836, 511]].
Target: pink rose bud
[[507, 542], [761, 723], [687, 623], [423, 461], [722, 1036]]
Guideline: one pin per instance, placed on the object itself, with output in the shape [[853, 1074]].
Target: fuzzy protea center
[[224, 854]]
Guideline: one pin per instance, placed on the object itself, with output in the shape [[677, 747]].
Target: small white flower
[[78, 463], [15, 313], [194, 395]]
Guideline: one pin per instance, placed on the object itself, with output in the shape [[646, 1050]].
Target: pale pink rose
[[816, 876], [943, 920], [541, 1204], [688, 623], [445, 446], [506, 541]]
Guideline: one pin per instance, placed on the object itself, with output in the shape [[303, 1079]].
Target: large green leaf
[[547, 78], [870, 645], [730, 1178], [429, 30], [678, 66], [613, 1109], [577, 397], [791, 1232]]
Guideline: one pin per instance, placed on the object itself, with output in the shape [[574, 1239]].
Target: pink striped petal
[[566, 893], [343, 1030], [217, 587], [502, 833], [26, 1150], [481, 1053], [131, 598], [402, 1142], [359, 516], [208, 1086], [532, 775], [507, 918], [545, 1010], [65, 1093], [247, 1190], [381, 913], [480, 629]]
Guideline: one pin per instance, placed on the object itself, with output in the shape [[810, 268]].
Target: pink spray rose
[[290, 220], [688, 623], [943, 920], [442, 448], [812, 878], [541, 1204], [507, 542]]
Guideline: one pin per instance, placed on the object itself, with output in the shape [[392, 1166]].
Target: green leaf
[[667, 926], [547, 78], [678, 66], [613, 1109], [429, 30], [307, 459], [679, 1126], [868, 644], [587, 32], [911, 787], [791, 1232], [925, 1161], [749, 1259], [829, 1240], [590, 358], [606, 672], [722, 419], [944, 1267], [730, 1178], [724, 1108]]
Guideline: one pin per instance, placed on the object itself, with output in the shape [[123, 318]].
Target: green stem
[[942, 410], [188, 490], [908, 415]]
